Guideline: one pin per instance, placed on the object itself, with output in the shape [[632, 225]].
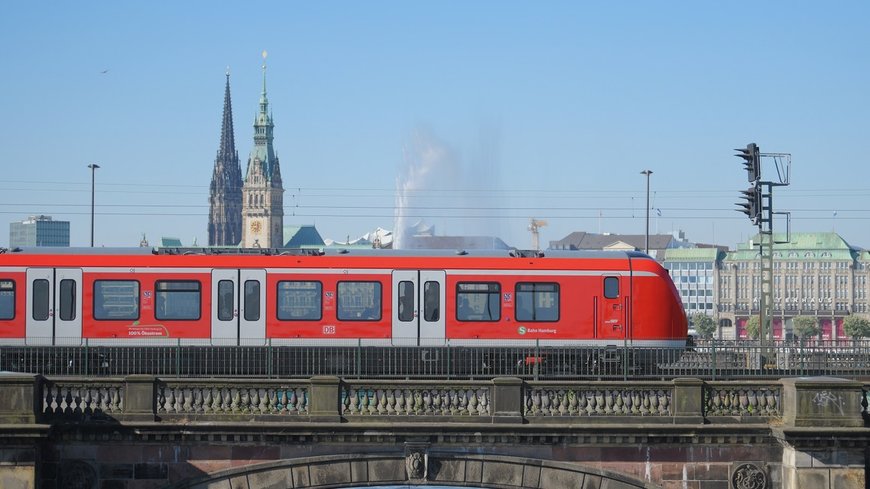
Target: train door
[[238, 307], [418, 307], [54, 304], [611, 312]]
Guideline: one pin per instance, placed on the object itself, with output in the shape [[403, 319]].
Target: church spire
[[225, 193], [228, 140]]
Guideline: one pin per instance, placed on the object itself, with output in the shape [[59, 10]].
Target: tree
[[805, 326], [752, 327], [856, 326], [704, 325]]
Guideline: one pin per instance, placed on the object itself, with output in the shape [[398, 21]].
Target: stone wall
[[144, 432]]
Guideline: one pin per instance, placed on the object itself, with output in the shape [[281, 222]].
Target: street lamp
[[93, 167], [646, 240]]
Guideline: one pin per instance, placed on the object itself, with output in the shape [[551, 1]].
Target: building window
[[300, 301], [177, 300]]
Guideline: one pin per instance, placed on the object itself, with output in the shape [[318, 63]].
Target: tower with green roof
[[263, 192]]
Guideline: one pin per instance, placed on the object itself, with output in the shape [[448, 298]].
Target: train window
[[40, 299], [359, 301], [7, 299], [177, 300], [226, 300], [406, 300], [116, 300], [611, 287], [537, 302], [478, 301], [67, 300], [300, 301], [252, 300], [431, 301]]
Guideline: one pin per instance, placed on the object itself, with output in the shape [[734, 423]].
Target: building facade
[[695, 272], [38, 231], [262, 191], [225, 193], [814, 274]]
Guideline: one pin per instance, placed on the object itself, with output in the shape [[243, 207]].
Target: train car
[[342, 297]]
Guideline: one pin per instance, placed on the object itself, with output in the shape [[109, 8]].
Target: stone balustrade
[[795, 432], [331, 399]]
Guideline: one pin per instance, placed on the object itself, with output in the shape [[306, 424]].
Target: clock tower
[[263, 192]]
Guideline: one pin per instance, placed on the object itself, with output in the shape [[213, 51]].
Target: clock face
[[256, 227]]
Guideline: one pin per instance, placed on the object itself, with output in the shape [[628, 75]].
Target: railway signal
[[751, 161], [751, 206]]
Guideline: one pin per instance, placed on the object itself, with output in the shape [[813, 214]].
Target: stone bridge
[[142, 432]]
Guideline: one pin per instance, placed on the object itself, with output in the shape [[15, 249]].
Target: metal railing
[[711, 360]]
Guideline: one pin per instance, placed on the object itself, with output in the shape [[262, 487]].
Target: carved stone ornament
[[748, 476], [76, 474], [415, 464]]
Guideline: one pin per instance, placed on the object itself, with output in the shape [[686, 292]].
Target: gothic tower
[[262, 192], [225, 195]]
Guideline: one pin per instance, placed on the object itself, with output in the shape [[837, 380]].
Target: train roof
[[510, 253]]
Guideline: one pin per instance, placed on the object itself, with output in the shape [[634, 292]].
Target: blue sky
[[507, 110]]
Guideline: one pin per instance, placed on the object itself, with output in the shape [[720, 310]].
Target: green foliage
[[856, 326], [752, 327], [805, 326], [704, 324]]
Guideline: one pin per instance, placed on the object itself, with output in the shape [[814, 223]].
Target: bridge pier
[[143, 432]]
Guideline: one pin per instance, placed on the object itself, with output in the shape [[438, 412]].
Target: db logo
[[521, 330]]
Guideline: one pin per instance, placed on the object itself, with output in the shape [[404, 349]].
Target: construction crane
[[534, 226]]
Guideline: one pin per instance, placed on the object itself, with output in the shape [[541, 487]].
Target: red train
[[369, 297]]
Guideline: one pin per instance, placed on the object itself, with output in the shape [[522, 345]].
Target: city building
[[225, 193], [658, 243], [262, 191], [814, 274], [305, 236], [38, 231], [695, 274]]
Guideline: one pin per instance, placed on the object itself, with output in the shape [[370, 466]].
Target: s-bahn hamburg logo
[[521, 330]]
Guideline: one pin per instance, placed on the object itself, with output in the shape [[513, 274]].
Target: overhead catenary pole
[[646, 236], [93, 167]]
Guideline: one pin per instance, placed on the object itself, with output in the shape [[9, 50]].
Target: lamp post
[[93, 167], [646, 240]]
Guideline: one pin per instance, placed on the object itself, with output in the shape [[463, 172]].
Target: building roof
[[167, 242], [302, 236], [455, 243], [801, 246], [581, 240], [694, 254]]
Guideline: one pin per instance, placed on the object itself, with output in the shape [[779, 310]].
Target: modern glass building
[[38, 231]]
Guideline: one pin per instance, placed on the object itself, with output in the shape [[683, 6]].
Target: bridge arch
[[414, 467]]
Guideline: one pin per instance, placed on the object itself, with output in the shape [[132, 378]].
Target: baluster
[[599, 402], [754, 408], [381, 396]]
